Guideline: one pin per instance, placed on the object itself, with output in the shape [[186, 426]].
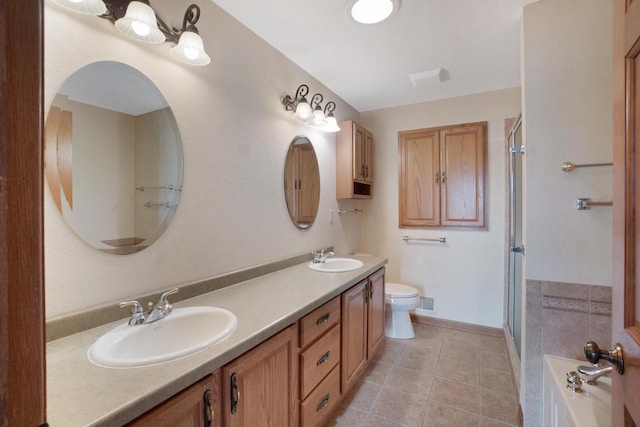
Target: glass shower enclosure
[[516, 247]]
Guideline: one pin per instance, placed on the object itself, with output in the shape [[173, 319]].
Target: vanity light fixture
[[371, 11], [137, 20], [312, 113]]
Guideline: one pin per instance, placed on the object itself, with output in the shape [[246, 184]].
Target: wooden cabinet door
[[462, 156], [419, 178], [358, 153], [354, 334], [260, 388], [375, 315], [368, 156], [197, 406], [626, 212]]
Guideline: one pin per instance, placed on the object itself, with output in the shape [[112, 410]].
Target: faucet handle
[[163, 298], [593, 353], [164, 301], [137, 313]]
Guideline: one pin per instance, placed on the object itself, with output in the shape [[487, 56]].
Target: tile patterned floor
[[443, 377]]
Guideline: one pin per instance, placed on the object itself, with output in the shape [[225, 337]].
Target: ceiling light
[[371, 11]]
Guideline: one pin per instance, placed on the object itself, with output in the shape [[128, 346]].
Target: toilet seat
[[398, 290]]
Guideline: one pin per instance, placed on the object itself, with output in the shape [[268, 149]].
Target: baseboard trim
[[445, 323], [514, 359]]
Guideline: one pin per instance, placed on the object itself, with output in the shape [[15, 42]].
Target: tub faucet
[[592, 373], [321, 256]]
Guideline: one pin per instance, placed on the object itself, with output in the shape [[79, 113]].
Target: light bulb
[[303, 110], [190, 49], [140, 28]]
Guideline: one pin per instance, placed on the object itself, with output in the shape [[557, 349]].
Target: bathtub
[[563, 407]]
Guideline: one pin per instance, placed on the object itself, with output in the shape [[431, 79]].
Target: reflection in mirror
[[302, 182], [113, 157]]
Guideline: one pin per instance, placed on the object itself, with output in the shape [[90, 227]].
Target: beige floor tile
[[418, 359], [377, 371], [390, 350], [462, 336], [399, 407], [460, 350], [347, 417], [458, 370], [362, 395], [497, 380], [493, 344], [452, 393], [499, 406], [439, 415], [490, 422], [410, 381], [375, 421], [494, 360]]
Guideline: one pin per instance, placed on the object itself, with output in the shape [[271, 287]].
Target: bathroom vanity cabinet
[[354, 161], [199, 405], [260, 387], [362, 326], [297, 377]]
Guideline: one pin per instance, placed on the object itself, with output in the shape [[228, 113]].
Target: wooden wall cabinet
[[260, 388], [442, 176], [197, 406], [362, 326], [354, 161]]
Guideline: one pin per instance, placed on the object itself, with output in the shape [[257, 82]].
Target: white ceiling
[[477, 42]]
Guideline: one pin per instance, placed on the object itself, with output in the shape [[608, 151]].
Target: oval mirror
[[302, 182], [113, 157]]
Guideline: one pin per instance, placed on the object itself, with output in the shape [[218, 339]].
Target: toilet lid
[[398, 290]]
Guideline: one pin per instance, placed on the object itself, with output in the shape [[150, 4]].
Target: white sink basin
[[336, 265], [183, 332]]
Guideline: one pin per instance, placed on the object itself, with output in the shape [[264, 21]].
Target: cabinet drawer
[[318, 321], [322, 401], [317, 360]]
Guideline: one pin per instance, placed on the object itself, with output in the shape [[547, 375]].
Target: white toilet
[[399, 300]]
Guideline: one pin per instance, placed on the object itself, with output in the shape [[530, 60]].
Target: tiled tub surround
[[79, 393], [560, 319]]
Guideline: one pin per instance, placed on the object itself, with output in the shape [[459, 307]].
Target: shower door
[[516, 248]]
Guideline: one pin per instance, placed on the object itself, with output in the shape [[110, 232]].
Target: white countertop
[[80, 393]]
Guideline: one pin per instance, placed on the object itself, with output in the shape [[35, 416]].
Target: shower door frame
[[515, 248]]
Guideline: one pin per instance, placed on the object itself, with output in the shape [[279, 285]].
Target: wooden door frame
[[22, 358]]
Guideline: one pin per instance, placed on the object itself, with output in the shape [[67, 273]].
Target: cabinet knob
[[444, 177], [437, 177]]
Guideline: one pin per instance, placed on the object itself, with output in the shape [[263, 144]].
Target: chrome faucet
[[592, 373], [321, 256], [161, 310]]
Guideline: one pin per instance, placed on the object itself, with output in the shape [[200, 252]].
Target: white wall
[[567, 99], [235, 134], [465, 275]]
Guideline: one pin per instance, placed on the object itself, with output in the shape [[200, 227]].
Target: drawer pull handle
[[323, 319], [324, 358], [208, 408], [324, 403], [235, 393]]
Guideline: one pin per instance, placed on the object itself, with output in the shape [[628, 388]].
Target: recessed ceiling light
[[371, 11]]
